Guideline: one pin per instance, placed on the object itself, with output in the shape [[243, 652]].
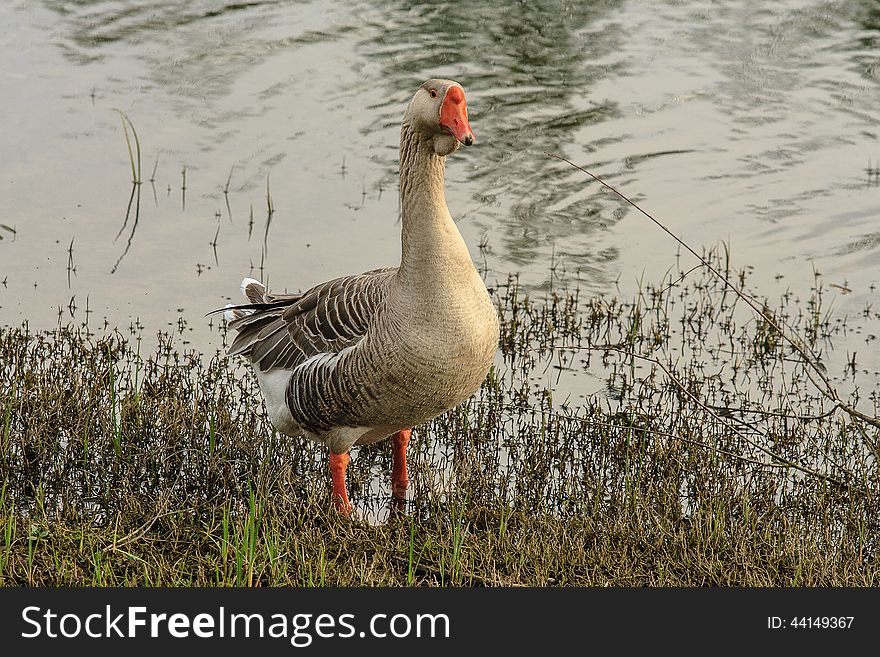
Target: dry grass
[[709, 459]]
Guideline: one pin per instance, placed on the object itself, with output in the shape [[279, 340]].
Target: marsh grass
[[707, 457], [134, 157], [134, 198]]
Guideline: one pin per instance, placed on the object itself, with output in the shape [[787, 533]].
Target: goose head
[[438, 112]]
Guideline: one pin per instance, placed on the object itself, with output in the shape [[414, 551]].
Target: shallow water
[[751, 123]]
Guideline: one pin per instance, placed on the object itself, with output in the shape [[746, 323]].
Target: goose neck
[[431, 243], [421, 175]]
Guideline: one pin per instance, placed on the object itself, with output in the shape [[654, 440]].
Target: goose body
[[360, 358]]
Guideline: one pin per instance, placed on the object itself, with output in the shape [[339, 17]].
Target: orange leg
[[338, 464], [399, 479]]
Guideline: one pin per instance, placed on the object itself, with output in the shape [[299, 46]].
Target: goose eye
[[433, 93]]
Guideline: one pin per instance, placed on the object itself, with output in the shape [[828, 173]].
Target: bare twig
[[824, 384]]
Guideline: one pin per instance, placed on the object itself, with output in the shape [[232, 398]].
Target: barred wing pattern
[[284, 331]]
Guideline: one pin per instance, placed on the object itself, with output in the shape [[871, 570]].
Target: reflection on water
[[529, 70], [739, 121]]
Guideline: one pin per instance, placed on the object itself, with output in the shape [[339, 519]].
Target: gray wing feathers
[[323, 320]]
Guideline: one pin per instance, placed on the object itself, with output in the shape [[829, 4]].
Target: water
[[746, 122]]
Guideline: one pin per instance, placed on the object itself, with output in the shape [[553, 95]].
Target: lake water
[[747, 122]]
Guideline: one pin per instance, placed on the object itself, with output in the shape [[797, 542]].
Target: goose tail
[[252, 290]]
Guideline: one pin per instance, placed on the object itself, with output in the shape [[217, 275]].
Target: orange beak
[[453, 116]]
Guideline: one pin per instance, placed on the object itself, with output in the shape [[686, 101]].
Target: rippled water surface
[[746, 122]]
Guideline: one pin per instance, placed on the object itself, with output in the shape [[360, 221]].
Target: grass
[[706, 457], [134, 158]]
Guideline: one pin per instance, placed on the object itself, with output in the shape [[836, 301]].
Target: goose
[[365, 357]]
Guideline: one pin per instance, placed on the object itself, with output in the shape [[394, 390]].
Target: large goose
[[360, 358]]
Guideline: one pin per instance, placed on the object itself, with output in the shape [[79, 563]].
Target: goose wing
[[281, 331]]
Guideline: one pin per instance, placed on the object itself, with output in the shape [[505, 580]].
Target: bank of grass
[[707, 458]]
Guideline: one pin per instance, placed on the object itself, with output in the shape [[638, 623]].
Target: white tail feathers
[[253, 290], [230, 314]]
